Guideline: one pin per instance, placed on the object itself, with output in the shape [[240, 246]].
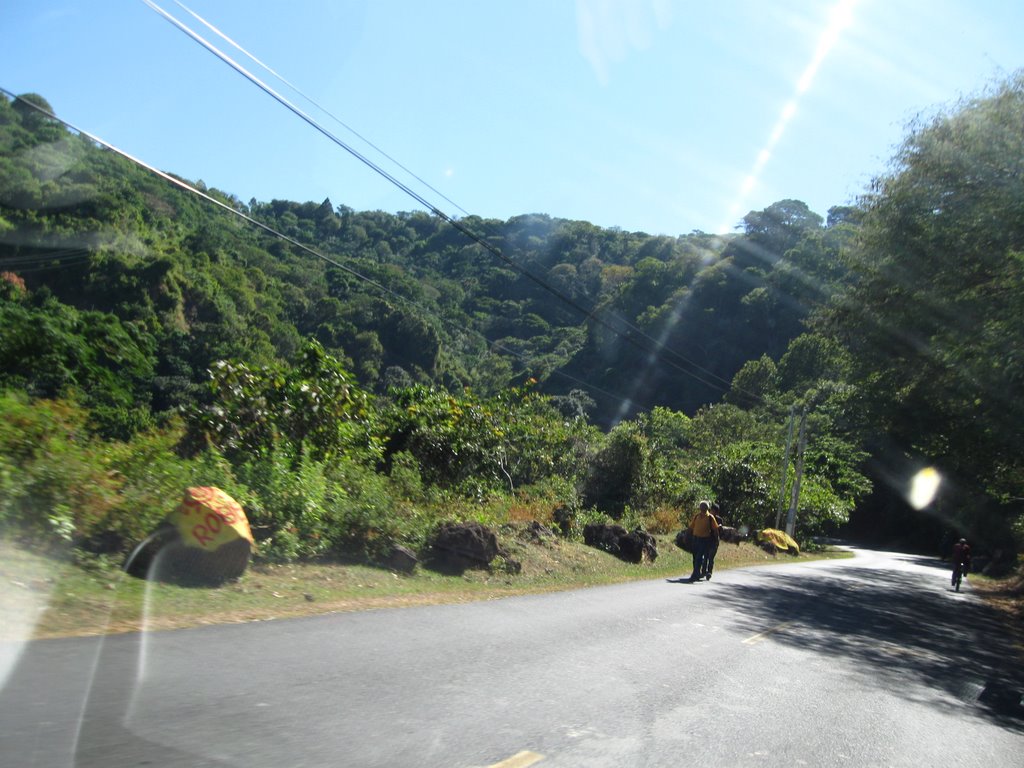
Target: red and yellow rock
[[208, 518], [214, 541]]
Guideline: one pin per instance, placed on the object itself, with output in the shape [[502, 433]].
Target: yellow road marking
[[519, 760], [762, 635]]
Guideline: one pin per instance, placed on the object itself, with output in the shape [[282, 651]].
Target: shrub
[[617, 477], [150, 480], [664, 519], [312, 406], [365, 522], [62, 486], [288, 504], [406, 481]]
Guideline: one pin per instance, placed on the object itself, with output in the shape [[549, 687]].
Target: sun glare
[[924, 487], [839, 18]]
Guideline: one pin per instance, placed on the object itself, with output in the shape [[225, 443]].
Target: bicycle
[[959, 571]]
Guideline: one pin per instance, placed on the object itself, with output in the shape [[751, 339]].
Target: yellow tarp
[[782, 541], [208, 518]]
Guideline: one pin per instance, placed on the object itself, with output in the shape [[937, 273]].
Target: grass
[[44, 596]]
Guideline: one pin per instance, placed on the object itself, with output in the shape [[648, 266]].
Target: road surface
[[872, 661]]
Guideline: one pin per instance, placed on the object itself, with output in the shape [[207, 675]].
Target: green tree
[[933, 316], [476, 445], [28, 106], [771, 232], [311, 406], [810, 358], [753, 382], [618, 476]]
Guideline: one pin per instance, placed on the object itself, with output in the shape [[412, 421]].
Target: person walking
[[709, 563], [704, 528]]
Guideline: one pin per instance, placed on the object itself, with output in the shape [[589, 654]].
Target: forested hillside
[[361, 376]]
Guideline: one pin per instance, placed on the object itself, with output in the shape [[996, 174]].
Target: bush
[[59, 482], [370, 520], [616, 478], [150, 481], [405, 477], [742, 477], [664, 519], [289, 502]]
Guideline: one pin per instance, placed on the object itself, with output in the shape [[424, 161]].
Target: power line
[[28, 259], [591, 314], [319, 106], [44, 260], [189, 188], [64, 264]]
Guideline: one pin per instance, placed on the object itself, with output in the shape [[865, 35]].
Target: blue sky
[[660, 116]]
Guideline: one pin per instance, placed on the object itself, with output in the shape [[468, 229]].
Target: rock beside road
[[457, 546], [206, 540], [631, 546], [401, 559]]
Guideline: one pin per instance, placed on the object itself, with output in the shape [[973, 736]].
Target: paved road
[[865, 662]]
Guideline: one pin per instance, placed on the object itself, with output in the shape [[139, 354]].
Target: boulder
[[633, 547], [140, 560], [465, 545], [731, 535], [537, 532], [207, 539], [638, 546], [401, 559], [509, 565], [603, 536]]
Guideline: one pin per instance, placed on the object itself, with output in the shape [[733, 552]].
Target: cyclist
[[961, 561]]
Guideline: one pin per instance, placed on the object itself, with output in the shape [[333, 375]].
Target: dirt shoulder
[[47, 596]]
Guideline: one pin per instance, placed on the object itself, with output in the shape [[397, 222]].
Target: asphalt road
[[867, 662]]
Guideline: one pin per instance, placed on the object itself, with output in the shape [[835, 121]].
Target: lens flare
[[924, 487], [840, 17]]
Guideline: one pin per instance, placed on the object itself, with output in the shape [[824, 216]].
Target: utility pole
[[795, 495], [785, 468]]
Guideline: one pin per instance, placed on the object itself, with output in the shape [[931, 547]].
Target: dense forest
[[357, 378]]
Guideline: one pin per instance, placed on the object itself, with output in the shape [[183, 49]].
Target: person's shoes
[[708, 577]]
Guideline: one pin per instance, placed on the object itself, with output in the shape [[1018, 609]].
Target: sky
[[660, 116]]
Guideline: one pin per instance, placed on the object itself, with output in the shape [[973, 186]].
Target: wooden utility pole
[[795, 495]]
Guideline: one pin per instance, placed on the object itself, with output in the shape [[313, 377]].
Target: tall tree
[[934, 317]]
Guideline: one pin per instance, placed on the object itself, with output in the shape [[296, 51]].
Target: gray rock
[[401, 559]]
